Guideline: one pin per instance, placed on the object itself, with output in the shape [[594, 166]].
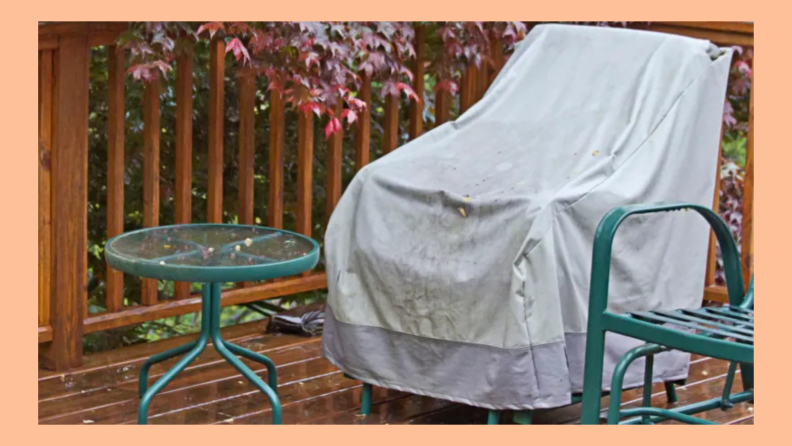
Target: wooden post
[[215, 158], [746, 249], [69, 203], [363, 127], [184, 128], [305, 135], [151, 172], [45, 187], [247, 122], [334, 163], [277, 128], [416, 107], [391, 124], [115, 168]]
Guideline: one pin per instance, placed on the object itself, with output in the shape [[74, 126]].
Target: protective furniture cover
[[458, 265]]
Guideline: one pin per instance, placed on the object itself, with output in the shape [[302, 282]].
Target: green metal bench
[[724, 333]]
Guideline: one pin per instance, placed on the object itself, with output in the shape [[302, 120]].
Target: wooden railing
[[63, 185]]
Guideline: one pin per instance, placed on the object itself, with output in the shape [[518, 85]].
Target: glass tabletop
[[212, 253]]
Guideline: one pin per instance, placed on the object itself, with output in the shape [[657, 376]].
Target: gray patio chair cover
[[458, 265]]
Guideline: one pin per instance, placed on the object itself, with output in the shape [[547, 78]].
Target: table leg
[[210, 329], [195, 349], [225, 351]]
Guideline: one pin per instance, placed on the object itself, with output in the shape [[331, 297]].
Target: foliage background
[[733, 146]]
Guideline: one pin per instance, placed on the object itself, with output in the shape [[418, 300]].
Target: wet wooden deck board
[[104, 390]]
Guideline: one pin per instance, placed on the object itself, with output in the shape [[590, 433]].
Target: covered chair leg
[[365, 400], [671, 394], [493, 417], [523, 417]]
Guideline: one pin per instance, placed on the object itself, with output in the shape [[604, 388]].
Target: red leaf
[[311, 59], [447, 85], [163, 66], [139, 72], [212, 27], [357, 103], [408, 91], [309, 107], [333, 125], [349, 115], [239, 50]]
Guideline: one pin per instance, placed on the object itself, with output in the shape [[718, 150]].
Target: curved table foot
[[148, 395]]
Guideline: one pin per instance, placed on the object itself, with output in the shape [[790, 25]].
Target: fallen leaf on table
[[462, 211], [596, 152]]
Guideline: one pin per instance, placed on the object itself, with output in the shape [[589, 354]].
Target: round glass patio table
[[211, 254]]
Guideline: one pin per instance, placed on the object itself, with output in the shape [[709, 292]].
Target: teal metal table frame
[[210, 330], [210, 313]]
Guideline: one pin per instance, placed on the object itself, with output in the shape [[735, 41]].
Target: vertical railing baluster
[[184, 129], [305, 143], [391, 124], [334, 162], [305, 147], [115, 168], [45, 187], [215, 158], [247, 122], [151, 171], [363, 127], [496, 52], [467, 89], [277, 128], [746, 249], [247, 116], [416, 107]]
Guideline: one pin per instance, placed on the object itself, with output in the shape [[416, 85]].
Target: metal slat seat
[[706, 323]]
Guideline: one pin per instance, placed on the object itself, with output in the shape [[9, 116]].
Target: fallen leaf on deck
[[596, 152], [462, 211], [88, 421]]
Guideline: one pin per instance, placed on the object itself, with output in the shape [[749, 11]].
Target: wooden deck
[[210, 391]]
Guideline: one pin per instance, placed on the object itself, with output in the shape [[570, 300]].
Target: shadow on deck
[[210, 391]]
